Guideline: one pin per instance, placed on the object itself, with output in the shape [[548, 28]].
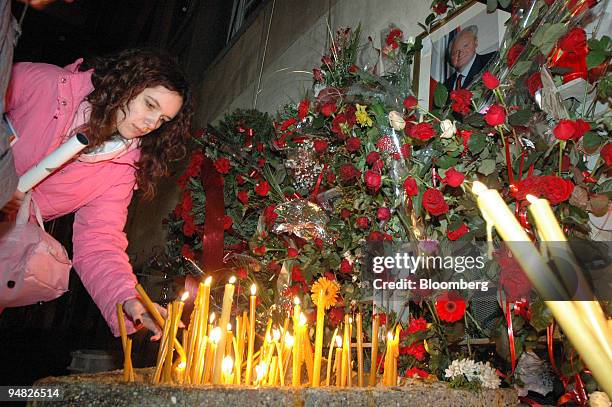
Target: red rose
[[362, 222], [457, 233], [188, 228], [240, 179], [405, 150], [336, 315], [534, 83], [565, 129], [496, 115], [187, 252], [345, 213], [556, 189], [292, 252], [378, 165], [296, 275], [422, 131], [243, 197], [331, 177], [261, 161], [187, 203], [416, 325], [376, 236], [372, 180], [385, 143], [227, 222], [303, 109], [259, 250], [348, 172], [270, 215], [410, 103], [581, 128], [353, 68], [574, 41], [453, 178], [462, 100], [222, 165], [489, 80], [606, 153], [262, 188], [514, 53], [260, 147], [317, 74], [341, 126], [318, 242], [394, 36], [382, 318], [434, 203], [512, 278], [274, 267], [326, 60], [450, 307], [345, 266], [416, 350], [241, 273], [328, 109], [353, 144], [440, 8], [320, 146], [410, 186], [372, 157], [383, 213]]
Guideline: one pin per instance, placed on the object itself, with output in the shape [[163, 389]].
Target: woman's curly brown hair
[[119, 78]]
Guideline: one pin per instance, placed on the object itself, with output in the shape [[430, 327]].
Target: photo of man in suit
[[463, 57]]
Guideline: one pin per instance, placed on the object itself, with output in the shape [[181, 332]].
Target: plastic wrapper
[[304, 219]]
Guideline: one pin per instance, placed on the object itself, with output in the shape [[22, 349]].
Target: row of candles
[[209, 354], [205, 354]]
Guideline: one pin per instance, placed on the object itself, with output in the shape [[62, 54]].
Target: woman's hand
[[12, 206], [141, 317]]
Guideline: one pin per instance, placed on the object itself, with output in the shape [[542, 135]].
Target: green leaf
[[487, 167], [446, 162], [440, 95], [591, 142], [541, 317], [504, 3], [430, 18], [520, 118], [491, 6], [595, 58], [477, 143], [475, 120], [547, 36], [521, 67]]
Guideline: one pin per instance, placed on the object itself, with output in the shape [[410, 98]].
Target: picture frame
[[434, 65]]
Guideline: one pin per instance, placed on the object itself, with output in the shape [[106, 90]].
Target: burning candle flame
[[227, 365], [229, 326], [185, 296], [296, 301], [212, 318], [208, 280], [302, 319], [182, 365], [232, 279], [389, 336], [289, 340], [338, 341], [276, 334], [253, 290], [215, 335]]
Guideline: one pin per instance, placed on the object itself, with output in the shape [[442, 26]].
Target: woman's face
[[148, 111]]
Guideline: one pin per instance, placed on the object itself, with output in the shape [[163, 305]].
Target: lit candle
[[388, 355], [180, 371], [318, 355], [349, 378], [297, 362], [228, 297], [215, 336], [289, 342], [227, 368], [251, 345], [330, 355], [307, 354], [338, 361], [374, 363], [359, 351], [260, 370], [346, 346], [273, 372]]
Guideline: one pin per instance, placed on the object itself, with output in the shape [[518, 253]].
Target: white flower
[[474, 371], [410, 40], [396, 121], [599, 399], [488, 377], [448, 128]]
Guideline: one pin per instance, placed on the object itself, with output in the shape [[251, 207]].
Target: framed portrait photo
[[456, 51]]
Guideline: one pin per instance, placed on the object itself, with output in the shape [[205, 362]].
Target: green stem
[[476, 323], [428, 113], [467, 334], [561, 147]]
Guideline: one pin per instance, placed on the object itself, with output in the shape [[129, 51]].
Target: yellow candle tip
[[229, 326], [253, 289], [227, 365], [232, 280], [302, 319], [289, 340], [185, 296], [208, 280], [276, 334], [215, 335], [478, 188], [296, 301], [389, 336], [182, 365], [212, 318]]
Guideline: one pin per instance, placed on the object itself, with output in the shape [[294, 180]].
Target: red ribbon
[[315, 192], [212, 237], [549, 342], [510, 336]]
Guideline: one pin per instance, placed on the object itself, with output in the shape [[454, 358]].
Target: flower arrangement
[[359, 160]]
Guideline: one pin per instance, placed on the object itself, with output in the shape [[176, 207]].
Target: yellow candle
[[318, 354], [388, 354], [495, 211], [260, 370], [289, 342], [374, 363], [163, 346], [227, 368], [229, 339], [551, 233], [297, 353], [359, 351], [251, 345], [273, 372], [124, 343], [307, 354], [226, 310], [215, 336], [330, 355], [338, 361], [346, 344]]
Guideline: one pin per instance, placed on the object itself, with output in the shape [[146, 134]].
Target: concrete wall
[[299, 33]]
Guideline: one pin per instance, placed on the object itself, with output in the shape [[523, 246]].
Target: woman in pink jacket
[[135, 108]]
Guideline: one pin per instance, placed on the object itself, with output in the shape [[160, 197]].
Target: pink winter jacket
[[42, 102]]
